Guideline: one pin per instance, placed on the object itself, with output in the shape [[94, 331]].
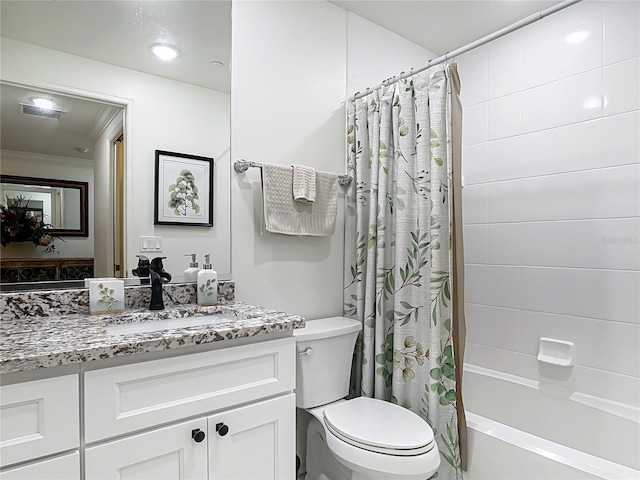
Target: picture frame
[[183, 190]]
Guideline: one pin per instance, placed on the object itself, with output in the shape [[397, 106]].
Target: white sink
[[166, 324]]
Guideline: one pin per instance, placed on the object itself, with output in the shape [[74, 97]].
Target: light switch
[[150, 244]]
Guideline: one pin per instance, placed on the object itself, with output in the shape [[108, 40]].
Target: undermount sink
[[166, 324]]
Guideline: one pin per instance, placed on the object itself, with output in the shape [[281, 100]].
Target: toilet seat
[[379, 427]]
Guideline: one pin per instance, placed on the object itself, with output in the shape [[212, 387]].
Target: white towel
[[282, 214], [304, 183]]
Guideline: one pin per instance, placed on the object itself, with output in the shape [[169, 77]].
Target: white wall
[[62, 168], [288, 82], [164, 115], [552, 199]]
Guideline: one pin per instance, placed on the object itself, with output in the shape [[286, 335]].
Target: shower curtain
[[403, 255]]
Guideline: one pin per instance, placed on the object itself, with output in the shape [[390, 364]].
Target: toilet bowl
[[361, 438]]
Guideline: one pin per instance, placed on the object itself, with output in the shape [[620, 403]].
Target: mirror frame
[[83, 231]]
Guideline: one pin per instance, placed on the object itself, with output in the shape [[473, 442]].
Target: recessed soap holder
[[556, 352]]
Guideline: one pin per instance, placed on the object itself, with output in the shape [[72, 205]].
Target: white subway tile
[[602, 193], [502, 286], [539, 107], [621, 30], [539, 61], [564, 149], [492, 326], [540, 289], [475, 204], [622, 87], [473, 68], [580, 97], [475, 124], [475, 238], [476, 288], [504, 68], [504, 201], [580, 39], [601, 243], [505, 159], [539, 244], [621, 141], [504, 244], [602, 294], [539, 198], [505, 116], [474, 164]]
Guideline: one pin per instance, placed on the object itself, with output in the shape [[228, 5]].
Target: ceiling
[[442, 26]]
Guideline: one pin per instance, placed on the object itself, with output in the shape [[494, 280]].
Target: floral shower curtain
[[401, 248]]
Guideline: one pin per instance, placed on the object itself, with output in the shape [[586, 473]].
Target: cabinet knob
[[197, 435], [222, 429]]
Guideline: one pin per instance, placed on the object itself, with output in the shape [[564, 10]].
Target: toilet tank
[[324, 354]]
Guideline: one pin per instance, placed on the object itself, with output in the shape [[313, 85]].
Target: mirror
[[99, 53], [63, 204]]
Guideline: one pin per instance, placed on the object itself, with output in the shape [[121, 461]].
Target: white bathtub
[[522, 429]]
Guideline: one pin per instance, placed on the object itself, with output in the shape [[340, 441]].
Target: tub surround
[[64, 302]]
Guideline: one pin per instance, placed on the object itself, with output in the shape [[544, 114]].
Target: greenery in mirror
[[184, 194], [18, 224]]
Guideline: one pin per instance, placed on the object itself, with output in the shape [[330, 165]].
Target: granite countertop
[[47, 341]]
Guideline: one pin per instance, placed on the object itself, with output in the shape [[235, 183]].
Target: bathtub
[[524, 429]]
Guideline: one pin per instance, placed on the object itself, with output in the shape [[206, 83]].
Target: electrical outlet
[[150, 244]]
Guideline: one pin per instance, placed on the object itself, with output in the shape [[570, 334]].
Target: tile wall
[[552, 196]]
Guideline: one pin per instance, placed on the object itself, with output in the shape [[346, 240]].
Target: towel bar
[[241, 166]]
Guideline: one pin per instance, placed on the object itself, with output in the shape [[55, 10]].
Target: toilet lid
[[379, 426]]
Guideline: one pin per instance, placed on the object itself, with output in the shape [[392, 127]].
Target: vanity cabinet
[[40, 418], [219, 414], [250, 442]]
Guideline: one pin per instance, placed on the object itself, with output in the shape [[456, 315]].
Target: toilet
[[361, 438]]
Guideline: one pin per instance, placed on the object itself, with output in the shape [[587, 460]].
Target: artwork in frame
[[183, 190]]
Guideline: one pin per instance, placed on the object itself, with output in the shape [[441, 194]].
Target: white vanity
[[211, 401]]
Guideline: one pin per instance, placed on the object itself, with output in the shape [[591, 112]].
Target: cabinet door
[[66, 467], [257, 443], [168, 453]]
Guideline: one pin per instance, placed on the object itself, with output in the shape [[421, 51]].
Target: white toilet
[[362, 438]]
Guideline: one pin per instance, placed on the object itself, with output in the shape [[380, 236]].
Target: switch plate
[[150, 244]]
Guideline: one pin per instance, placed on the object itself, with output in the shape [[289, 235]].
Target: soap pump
[[207, 284], [191, 273]]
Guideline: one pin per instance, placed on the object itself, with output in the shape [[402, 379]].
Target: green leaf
[[380, 358], [438, 161], [435, 373]]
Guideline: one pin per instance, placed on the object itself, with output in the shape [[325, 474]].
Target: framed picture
[[183, 190]]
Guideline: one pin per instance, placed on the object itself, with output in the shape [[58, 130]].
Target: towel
[[304, 184], [282, 214]]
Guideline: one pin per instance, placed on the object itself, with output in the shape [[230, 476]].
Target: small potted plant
[[18, 225]]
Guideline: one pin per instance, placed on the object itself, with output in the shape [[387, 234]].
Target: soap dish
[[555, 352]]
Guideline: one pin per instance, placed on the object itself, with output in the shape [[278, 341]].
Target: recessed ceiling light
[[44, 103], [216, 63], [165, 52], [82, 149]]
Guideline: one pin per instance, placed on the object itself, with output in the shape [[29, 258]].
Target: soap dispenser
[[207, 284], [191, 273]]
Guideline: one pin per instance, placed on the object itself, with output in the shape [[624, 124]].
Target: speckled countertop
[[48, 341]]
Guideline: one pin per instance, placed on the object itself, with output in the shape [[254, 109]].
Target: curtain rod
[[470, 46]]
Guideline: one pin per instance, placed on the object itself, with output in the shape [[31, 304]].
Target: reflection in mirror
[[63, 204], [180, 106]]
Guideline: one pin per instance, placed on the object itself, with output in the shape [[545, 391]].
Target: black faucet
[[158, 267], [143, 269], [156, 292]]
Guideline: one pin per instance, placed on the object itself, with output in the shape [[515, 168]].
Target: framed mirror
[[63, 204]]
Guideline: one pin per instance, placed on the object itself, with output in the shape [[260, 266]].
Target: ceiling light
[[44, 103], [82, 149], [165, 52], [216, 63]]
